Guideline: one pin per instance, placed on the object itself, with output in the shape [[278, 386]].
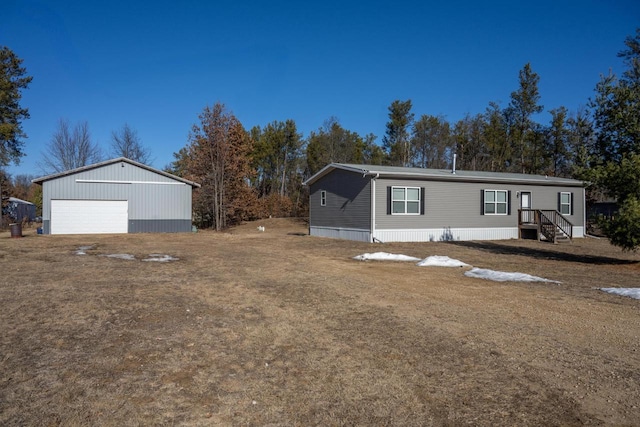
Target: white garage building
[[115, 196]]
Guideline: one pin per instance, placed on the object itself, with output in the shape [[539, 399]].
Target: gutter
[[372, 228]]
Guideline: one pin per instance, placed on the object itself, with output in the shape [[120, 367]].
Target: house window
[[496, 202], [565, 203], [405, 200], [323, 198]]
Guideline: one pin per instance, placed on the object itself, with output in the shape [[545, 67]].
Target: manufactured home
[[115, 196], [397, 204]]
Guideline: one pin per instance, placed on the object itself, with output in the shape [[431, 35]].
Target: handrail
[[561, 222], [547, 226], [548, 221]]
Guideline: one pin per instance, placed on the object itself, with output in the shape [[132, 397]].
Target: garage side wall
[[156, 203]]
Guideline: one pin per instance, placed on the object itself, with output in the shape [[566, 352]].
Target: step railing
[[548, 222]]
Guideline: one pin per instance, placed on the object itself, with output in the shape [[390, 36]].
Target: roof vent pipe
[[453, 168]]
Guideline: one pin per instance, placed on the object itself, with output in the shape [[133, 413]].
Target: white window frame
[[568, 204], [495, 202], [323, 198], [405, 201]]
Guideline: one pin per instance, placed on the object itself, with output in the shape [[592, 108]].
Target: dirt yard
[[282, 329]]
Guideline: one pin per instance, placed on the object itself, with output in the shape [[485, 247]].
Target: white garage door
[[89, 216]]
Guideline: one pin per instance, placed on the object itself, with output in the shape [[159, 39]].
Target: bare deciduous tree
[[70, 148], [126, 143], [22, 186]]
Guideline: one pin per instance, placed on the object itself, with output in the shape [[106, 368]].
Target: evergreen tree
[[180, 163], [6, 189], [431, 142], [540, 157], [396, 139], [616, 108], [277, 158], [581, 142], [558, 137], [621, 180], [13, 80], [373, 153], [496, 140], [522, 130], [469, 139], [332, 143], [617, 152]]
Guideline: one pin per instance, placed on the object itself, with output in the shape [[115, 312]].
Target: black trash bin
[[16, 230]]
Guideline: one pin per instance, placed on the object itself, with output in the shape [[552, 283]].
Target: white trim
[[16, 200], [373, 209], [495, 202], [112, 181], [566, 204], [578, 231], [406, 199], [519, 195], [446, 234], [323, 197], [424, 235], [584, 210]]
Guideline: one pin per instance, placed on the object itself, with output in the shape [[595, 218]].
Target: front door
[[525, 203]]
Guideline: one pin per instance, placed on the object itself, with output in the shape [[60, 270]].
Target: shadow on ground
[[542, 253]]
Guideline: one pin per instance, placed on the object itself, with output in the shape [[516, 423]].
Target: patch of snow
[[82, 250], [625, 292], [160, 258], [501, 276], [441, 261], [128, 257], [384, 256]]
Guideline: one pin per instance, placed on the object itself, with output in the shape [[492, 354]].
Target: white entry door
[[89, 216], [525, 203]]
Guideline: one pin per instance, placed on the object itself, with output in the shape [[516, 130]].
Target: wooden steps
[[550, 224]]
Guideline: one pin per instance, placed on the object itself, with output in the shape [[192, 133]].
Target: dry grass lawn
[[282, 329]]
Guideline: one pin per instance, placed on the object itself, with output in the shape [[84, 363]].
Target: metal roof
[[109, 162], [16, 200], [444, 175]]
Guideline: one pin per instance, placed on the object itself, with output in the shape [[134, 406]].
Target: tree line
[[264, 167], [255, 173], [509, 139]]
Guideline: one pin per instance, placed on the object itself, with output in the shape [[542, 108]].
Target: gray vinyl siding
[[348, 202], [160, 226], [163, 204], [458, 204]]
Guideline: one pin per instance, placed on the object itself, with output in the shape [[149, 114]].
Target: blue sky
[[156, 64]]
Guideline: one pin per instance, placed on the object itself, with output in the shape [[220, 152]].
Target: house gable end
[[347, 198], [112, 164]]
